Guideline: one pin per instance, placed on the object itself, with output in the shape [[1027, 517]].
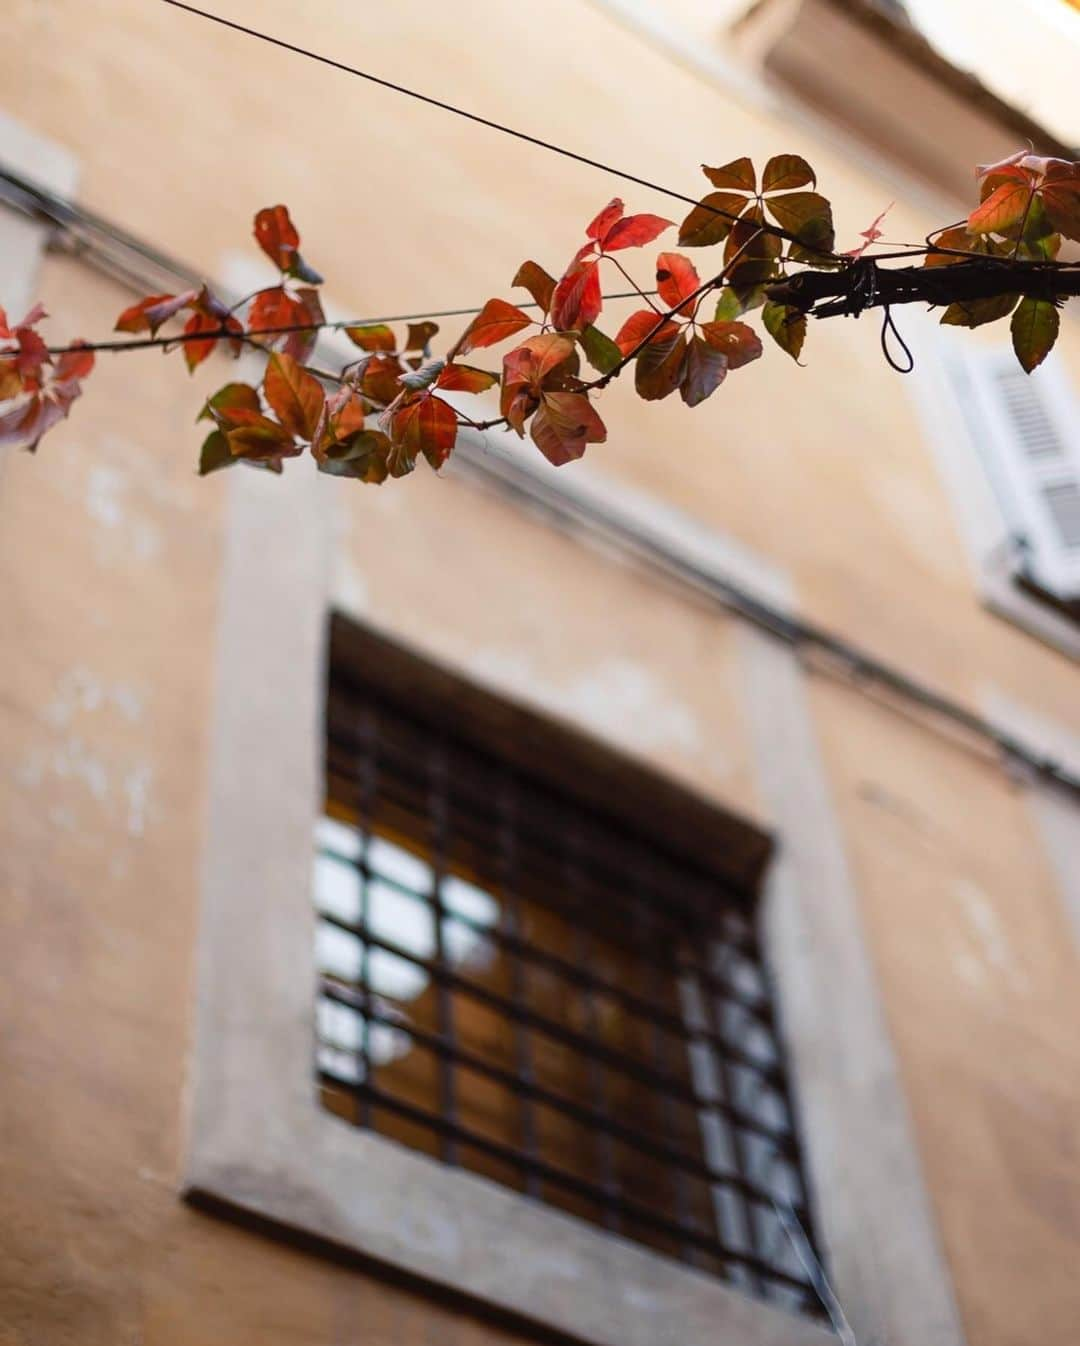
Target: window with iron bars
[[527, 987]]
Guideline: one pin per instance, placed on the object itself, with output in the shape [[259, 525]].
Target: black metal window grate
[[520, 986]]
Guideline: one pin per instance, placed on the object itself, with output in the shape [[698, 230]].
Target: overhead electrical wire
[[492, 125]]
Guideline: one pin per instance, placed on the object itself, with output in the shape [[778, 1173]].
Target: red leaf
[[428, 426], [611, 213], [74, 364], [195, 352], [24, 425], [634, 232], [295, 396], [1061, 196], [148, 314], [1004, 207], [870, 235], [576, 302], [739, 343], [496, 321], [564, 424], [277, 236], [32, 353], [465, 379], [676, 278], [643, 324], [542, 362], [276, 308]]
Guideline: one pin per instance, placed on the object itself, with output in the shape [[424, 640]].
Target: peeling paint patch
[[80, 690], [618, 699]]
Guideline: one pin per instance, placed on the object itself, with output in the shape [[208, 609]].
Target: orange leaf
[[1004, 207], [465, 379], [379, 378], [74, 364], [372, 337], [543, 362], [564, 424], [295, 396], [532, 277], [496, 321]]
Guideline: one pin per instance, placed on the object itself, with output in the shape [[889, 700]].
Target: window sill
[[1004, 596]]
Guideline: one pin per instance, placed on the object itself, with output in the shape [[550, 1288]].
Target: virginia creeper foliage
[[394, 404]]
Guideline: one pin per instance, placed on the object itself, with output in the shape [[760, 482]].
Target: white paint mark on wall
[[80, 690], [137, 790], [618, 698], [108, 504], [988, 954]]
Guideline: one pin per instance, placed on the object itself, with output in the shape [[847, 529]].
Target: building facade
[[524, 904]]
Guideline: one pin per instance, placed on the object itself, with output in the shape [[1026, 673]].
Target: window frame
[[609, 803], [973, 479], [262, 1150]]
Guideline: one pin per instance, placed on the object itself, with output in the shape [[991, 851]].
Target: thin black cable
[[339, 324], [483, 121], [888, 325]]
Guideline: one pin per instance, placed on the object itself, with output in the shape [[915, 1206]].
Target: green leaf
[[807, 215], [786, 326], [600, 351], [975, 312], [738, 174], [363, 456], [1034, 330], [711, 219], [785, 171], [215, 453], [729, 306]]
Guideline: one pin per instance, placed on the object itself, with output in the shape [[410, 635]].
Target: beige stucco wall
[[110, 561]]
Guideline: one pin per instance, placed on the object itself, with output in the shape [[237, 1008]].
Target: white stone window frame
[[260, 1143], [974, 480]]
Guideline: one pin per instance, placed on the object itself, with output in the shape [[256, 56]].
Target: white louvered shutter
[[1030, 427]]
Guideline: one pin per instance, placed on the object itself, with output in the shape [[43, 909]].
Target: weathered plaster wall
[[110, 548]]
